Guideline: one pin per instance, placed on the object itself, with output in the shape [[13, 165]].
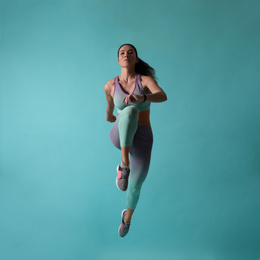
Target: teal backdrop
[[58, 199]]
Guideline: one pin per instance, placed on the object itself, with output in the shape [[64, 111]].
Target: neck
[[126, 74]]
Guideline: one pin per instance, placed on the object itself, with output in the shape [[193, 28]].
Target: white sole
[[116, 177]]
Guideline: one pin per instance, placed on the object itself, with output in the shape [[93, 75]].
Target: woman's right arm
[[110, 103]]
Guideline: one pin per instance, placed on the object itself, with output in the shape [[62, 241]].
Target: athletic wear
[[122, 177], [124, 227], [127, 124], [126, 132], [119, 94], [140, 155]]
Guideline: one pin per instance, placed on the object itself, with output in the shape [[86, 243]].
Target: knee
[[131, 112]]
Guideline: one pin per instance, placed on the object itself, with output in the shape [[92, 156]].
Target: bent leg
[[123, 131], [128, 122], [124, 128]]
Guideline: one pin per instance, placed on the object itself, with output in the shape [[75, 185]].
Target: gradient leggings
[[124, 133]]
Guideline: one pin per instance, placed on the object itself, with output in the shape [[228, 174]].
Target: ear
[[137, 60]]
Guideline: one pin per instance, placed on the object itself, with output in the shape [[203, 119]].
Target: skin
[[127, 60]]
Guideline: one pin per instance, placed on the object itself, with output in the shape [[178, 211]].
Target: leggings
[[126, 131]]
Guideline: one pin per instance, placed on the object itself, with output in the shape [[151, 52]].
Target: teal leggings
[[124, 133]]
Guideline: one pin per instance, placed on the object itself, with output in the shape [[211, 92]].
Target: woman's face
[[127, 56]]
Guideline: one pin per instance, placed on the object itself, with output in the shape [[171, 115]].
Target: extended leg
[[140, 162]]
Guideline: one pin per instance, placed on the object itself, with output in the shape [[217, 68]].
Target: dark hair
[[141, 67]]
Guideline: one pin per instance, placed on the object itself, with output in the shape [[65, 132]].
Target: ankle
[[127, 220], [124, 164]]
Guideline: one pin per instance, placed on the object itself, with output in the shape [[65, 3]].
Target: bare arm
[[155, 93], [110, 103]]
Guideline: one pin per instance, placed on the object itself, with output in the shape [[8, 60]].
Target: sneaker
[[122, 177], [124, 227]]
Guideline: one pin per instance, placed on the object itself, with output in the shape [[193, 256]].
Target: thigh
[[114, 134]]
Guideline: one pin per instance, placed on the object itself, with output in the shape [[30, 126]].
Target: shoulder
[[109, 86], [147, 81]]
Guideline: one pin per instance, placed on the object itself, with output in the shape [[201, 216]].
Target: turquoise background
[[58, 198]]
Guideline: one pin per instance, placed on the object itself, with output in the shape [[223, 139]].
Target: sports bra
[[119, 94]]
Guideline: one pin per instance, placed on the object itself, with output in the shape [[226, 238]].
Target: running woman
[[132, 92]]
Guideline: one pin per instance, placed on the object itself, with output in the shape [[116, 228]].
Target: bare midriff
[[144, 117]]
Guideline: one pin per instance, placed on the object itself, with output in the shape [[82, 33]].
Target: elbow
[[165, 97]]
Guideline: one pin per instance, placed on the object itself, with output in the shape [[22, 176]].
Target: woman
[[132, 92]]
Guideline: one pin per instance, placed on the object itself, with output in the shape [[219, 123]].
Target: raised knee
[[131, 111]]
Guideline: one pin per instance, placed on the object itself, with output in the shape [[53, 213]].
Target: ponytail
[[144, 69]]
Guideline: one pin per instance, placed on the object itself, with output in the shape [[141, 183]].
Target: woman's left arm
[[156, 94]]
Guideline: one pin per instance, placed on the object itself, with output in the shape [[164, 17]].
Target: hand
[[133, 98], [111, 118]]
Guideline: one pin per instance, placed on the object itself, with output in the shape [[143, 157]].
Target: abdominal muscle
[[144, 117]]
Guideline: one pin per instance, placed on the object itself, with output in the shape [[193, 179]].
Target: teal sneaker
[[124, 227]]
